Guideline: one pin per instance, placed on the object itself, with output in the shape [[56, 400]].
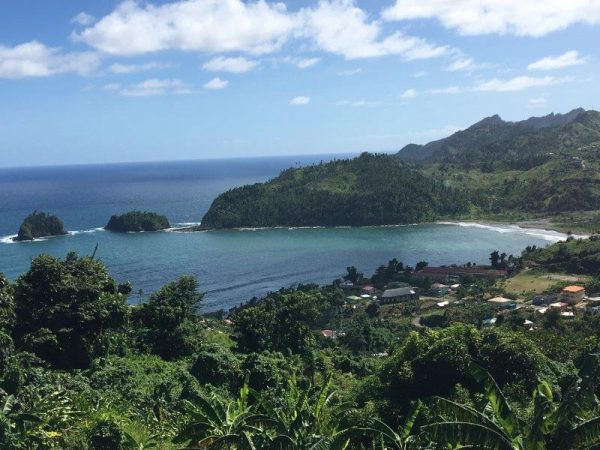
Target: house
[[445, 274], [572, 294], [501, 301], [439, 289], [399, 295], [368, 290], [559, 305], [329, 333]]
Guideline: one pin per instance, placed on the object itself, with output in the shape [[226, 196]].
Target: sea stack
[[39, 225], [136, 221]]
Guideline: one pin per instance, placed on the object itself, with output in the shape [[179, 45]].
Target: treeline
[[82, 369], [368, 190]]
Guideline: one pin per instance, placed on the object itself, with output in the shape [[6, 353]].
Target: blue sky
[[104, 81]]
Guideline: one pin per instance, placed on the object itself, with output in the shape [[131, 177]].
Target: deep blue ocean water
[[232, 266]]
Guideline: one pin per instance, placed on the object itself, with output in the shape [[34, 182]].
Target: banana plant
[[497, 426], [386, 438], [15, 423], [306, 419], [219, 424]]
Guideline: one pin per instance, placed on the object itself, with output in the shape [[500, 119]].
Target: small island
[[136, 221], [38, 225]]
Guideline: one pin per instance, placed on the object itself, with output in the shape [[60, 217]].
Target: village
[[430, 292]]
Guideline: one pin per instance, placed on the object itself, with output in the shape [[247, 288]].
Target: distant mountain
[[493, 169], [493, 139]]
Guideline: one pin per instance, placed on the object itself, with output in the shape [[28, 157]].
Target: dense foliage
[[137, 221], [82, 370], [581, 256], [541, 166], [40, 224], [368, 190]]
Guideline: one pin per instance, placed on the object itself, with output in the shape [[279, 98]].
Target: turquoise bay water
[[232, 266]]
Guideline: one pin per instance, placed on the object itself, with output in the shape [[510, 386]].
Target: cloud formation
[[518, 17], [219, 26], [300, 100], [34, 59], [154, 86], [342, 28], [409, 93], [517, 83], [131, 68], [567, 59], [231, 65], [216, 84], [210, 26]]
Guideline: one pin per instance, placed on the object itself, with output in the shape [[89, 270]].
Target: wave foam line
[[92, 230], [8, 239], [547, 235]]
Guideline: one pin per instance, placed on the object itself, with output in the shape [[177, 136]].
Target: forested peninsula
[[540, 167]]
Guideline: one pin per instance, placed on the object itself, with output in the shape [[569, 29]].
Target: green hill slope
[[538, 167], [368, 190]]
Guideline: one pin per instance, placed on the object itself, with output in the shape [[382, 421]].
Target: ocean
[[231, 266]]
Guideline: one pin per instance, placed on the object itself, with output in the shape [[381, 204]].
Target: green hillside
[[539, 167], [368, 190]]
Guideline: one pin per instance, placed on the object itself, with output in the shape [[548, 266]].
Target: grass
[[528, 283]]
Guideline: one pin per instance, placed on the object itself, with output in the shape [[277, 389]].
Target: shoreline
[[542, 228]]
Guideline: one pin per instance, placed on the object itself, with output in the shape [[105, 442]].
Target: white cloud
[[83, 19], [34, 59], [359, 103], [463, 64], [305, 63], [131, 68], [232, 65], [155, 86], [216, 83], [300, 100], [419, 74], [537, 102], [409, 93], [342, 28], [190, 25], [218, 26], [518, 83], [446, 90], [519, 17], [567, 59]]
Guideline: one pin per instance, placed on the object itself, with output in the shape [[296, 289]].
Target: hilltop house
[[572, 294], [399, 295]]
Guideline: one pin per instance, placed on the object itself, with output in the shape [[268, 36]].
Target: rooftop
[[398, 292], [573, 289]]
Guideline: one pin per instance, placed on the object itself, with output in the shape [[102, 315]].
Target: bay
[[232, 266]]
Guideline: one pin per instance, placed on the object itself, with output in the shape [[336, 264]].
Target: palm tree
[[219, 424], [497, 427]]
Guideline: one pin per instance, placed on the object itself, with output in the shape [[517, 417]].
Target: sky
[[114, 81]]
